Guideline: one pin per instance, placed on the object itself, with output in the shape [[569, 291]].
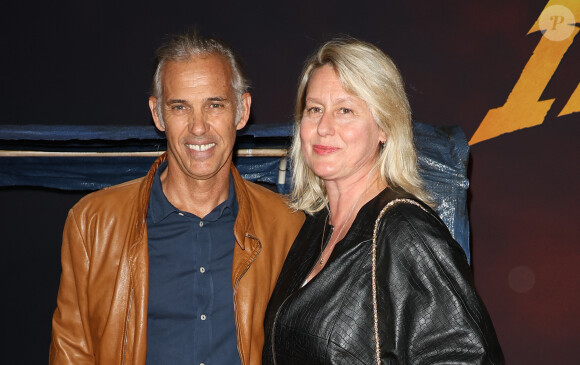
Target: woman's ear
[[382, 137]]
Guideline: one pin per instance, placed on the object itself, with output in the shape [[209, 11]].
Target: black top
[[429, 312]]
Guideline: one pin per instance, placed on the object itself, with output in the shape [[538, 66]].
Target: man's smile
[[200, 147]]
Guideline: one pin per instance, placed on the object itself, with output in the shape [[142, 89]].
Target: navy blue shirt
[[190, 319]]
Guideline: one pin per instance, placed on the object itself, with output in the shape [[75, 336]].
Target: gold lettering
[[573, 104], [523, 107]]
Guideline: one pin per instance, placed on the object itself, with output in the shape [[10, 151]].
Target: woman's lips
[[324, 150]]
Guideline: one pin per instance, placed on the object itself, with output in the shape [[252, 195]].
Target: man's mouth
[[200, 147]]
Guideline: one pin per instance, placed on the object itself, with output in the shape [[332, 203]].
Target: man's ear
[[158, 121], [246, 104]]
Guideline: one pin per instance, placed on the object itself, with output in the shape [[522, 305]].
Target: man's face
[[199, 110]]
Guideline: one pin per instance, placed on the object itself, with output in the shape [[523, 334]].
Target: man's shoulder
[[261, 194], [111, 195], [270, 214], [266, 201]]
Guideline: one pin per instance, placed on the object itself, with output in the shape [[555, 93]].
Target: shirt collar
[[160, 207], [229, 206]]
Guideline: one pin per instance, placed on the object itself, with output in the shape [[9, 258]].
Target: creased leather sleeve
[[425, 289], [70, 342]]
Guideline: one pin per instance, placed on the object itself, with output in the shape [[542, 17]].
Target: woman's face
[[338, 133]]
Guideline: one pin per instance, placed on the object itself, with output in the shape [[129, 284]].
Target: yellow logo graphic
[[523, 107], [556, 22]]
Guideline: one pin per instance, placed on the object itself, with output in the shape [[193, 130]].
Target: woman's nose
[[325, 125]]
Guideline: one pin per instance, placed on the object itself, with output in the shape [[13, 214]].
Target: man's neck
[[198, 197]]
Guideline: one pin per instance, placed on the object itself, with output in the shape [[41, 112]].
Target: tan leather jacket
[[101, 315]]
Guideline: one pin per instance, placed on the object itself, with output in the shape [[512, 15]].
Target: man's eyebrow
[[183, 101], [176, 101], [217, 98]]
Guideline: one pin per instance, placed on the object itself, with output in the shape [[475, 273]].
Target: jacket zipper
[[236, 289], [127, 327]]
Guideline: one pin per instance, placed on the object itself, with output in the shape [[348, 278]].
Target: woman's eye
[[345, 111], [314, 109]]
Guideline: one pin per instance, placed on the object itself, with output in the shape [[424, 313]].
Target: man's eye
[[216, 105], [178, 107]]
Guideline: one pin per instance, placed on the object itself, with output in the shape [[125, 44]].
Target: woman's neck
[[346, 198]]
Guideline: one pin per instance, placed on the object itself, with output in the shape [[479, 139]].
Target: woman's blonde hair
[[365, 71]]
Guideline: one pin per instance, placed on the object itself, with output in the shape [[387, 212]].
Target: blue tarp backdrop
[[67, 157]]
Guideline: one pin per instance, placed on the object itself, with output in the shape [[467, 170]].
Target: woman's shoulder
[[395, 205], [412, 227]]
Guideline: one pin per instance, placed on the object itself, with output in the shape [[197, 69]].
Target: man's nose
[[197, 124]]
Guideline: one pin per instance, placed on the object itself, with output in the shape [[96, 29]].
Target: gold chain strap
[[374, 269]]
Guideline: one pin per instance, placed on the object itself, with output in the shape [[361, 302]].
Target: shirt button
[[202, 363], [181, 214], [201, 223], [203, 317], [202, 269]]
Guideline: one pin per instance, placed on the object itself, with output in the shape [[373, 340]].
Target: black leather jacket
[[428, 310]]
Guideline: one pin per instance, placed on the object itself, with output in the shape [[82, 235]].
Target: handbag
[[374, 268]]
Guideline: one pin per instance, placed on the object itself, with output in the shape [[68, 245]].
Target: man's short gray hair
[[184, 46]]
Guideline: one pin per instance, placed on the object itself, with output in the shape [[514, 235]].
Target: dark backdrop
[[90, 62]]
